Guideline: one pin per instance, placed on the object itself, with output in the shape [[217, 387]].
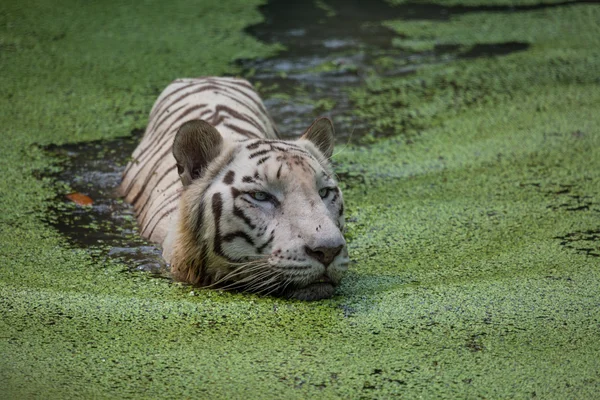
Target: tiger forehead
[[282, 153], [275, 161], [264, 146]]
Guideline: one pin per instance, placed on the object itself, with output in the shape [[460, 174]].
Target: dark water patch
[[565, 200], [494, 49], [585, 242], [330, 47], [438, 12], [307, 27], [107, 228], [565, 197], [328, 50], [334, 46], [294, 17], [570, 197]]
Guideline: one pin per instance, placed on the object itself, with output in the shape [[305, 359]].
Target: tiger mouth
[[323, 279], [319, 289]]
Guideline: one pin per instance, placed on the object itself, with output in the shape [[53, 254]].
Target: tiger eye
[[324, 192], [259, 196]]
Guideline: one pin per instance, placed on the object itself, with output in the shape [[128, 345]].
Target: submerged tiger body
[[230, 203]]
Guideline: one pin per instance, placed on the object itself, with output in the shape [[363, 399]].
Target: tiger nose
[[323, 254]]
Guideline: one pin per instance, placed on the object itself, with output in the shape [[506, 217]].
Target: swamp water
[[328, 49]]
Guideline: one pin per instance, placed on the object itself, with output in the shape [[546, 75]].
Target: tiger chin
[[233, 206]]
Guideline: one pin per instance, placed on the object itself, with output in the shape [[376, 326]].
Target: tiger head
[[260, 215]]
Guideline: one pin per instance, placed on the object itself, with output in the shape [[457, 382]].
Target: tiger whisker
[[286, 284], [247, 280], [259, 280], [242, 267], [276, 288], [261, 285], [236, 272], [229, 277], [266, 289], [260, 258]]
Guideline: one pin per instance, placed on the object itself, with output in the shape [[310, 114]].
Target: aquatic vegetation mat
[[322, 57], [473, 207]]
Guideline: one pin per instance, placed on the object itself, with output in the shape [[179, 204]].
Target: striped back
[[150, 181]]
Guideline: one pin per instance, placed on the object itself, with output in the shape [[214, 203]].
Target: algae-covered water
[[469, 154]]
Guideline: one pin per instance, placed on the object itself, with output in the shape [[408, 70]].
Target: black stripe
[[166, 150], [179, 120], [165, 214], [210, 178], [239, 234], [281, 142], [130, 165], [262, 247], [181, 98], [261, 108], [142, 209], [279, 171], [242, 104], [241, 131], [165, 203], [229, 178], [235, 192], [238, 212], [248, 179], [202, 87], [169, 186], [243, 116], [297, 267], [254, 145], [262, 160], [259, 153], [160, 119], [151, 138], [217, 209], [155, 127], [161, 146], [234, 82], [275, 202], [158, 127], [162, 102]]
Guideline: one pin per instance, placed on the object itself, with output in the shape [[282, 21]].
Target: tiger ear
[[196, 144], [321, 134]]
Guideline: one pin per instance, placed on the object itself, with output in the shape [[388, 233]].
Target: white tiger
[[231, 204]]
